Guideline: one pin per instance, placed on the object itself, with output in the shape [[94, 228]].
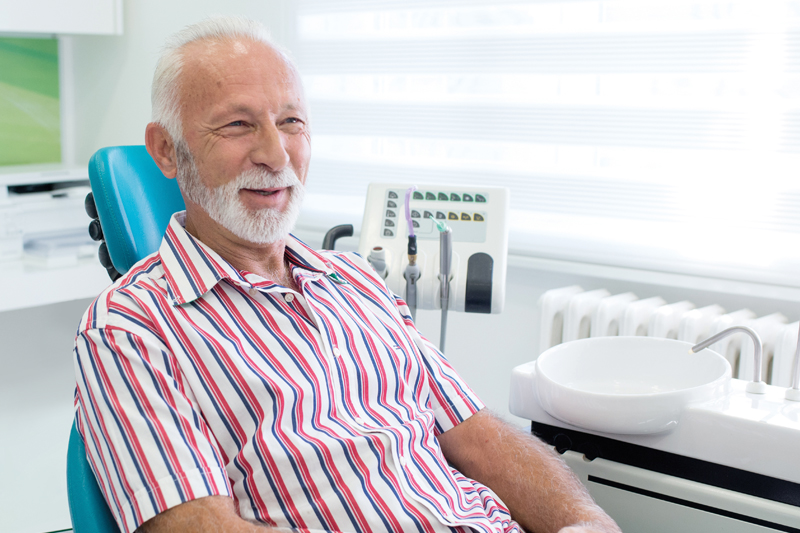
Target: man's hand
[[541, 492]]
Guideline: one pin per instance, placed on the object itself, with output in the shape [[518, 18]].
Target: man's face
[[247, 145]]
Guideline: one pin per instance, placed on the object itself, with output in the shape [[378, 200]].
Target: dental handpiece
[[445, 265], [412, 272], [411, 275]]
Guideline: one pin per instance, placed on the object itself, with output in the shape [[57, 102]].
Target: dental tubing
[[408, 212], [412, 272]]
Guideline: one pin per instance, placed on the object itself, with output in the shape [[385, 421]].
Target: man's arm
[[209, 514], [539, 489]]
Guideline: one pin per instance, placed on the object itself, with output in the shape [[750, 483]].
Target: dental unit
[[441, 248]]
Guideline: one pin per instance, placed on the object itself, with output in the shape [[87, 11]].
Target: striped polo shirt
[[314, 410]]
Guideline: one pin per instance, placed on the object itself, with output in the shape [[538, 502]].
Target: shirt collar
[[192, 269]]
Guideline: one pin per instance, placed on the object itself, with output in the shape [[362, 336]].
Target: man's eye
[[236, 123], [292, 120]]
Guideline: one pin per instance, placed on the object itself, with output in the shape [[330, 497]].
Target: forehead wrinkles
[[219, 74], [209, 63], [198, 68]]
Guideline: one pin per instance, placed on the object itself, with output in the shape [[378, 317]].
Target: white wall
[[37, 383], [111, 75]]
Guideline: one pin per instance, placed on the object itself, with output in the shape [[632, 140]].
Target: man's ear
[[161, 148]]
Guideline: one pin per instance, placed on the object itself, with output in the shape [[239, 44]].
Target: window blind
[[649, 134]]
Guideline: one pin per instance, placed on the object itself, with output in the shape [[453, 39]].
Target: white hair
[[165, 92]]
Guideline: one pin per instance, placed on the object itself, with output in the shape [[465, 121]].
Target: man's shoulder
[[142, 285]]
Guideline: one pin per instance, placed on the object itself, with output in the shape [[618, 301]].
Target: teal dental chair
[[130, 206]]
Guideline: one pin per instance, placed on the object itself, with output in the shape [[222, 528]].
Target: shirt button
[[337, 352], [253, 292], [289, 297]]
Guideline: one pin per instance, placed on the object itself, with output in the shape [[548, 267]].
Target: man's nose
[[270, 150]]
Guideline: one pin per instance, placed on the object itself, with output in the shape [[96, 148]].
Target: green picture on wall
[[30, 123]]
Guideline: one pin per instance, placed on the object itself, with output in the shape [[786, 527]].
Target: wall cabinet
[[87, 17]]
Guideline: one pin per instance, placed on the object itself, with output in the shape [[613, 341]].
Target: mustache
[[260, 178]]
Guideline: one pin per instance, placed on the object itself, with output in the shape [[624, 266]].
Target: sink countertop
[[758, 433]]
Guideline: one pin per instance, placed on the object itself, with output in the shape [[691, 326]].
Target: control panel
[[478, 218]]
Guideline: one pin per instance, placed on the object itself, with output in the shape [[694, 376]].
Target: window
[[644, 133]]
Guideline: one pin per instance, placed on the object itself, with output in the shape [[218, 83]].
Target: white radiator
[[570, 313]]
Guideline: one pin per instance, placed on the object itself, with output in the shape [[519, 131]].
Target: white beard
[[226, 208]]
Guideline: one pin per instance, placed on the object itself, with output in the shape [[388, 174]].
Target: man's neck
[[266, 260]]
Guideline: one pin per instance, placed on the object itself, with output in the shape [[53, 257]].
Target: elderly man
[[237, 380]]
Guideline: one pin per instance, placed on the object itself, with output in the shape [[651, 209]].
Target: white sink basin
[[630, 385]]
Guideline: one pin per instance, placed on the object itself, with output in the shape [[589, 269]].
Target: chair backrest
[[87, 507], [134, 202]]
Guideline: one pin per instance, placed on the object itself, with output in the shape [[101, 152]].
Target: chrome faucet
[[793, 393], [757, 386]]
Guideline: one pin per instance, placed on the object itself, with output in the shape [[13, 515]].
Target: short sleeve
[[146, 441]]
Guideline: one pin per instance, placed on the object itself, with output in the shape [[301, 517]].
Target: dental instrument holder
[[793, 392], [445, 265], [757, 386]]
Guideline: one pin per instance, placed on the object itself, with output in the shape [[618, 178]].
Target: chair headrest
[[134, 202]]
